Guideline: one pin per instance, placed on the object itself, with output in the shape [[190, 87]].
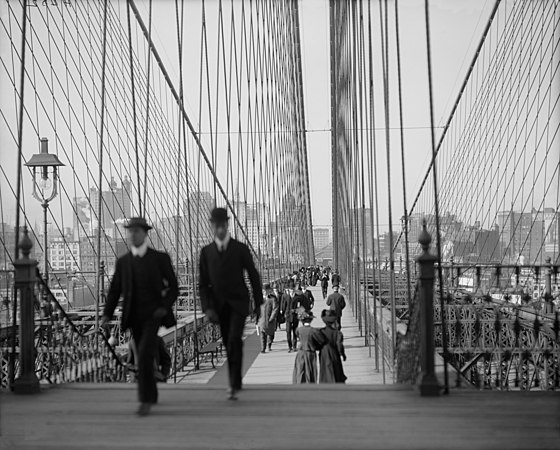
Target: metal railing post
[[428, 385], [25, 278]]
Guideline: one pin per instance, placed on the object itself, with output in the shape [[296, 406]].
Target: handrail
[[73, 325]]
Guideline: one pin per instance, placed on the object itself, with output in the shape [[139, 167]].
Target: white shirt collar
[[222, 244], [139, 251]]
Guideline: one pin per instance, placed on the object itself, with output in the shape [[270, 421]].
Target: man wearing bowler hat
[[224, 294], [145, 280]]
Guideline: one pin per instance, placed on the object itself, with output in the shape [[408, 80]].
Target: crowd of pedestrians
[[291, 306]]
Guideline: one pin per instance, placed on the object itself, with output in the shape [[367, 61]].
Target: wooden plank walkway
[[279, 417]]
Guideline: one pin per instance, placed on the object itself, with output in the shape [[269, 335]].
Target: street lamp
[[45, 188]]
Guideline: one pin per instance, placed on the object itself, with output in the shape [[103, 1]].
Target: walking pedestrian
[[223, 293], [335, 278], [290, 303], [267, 322], [332, 352], [310, 340], [337, 304], [145, 280], [324, 284]]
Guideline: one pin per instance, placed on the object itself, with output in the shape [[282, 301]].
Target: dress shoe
[[263, 351], [290, 350], [270, 348], [231, 394], [144, 409]]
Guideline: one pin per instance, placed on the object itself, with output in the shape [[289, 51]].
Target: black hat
[[291, 284], [138, 222], [219, 215], [266, 286], [336, 286]]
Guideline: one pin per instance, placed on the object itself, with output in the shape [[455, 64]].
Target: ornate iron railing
[[69, 348]]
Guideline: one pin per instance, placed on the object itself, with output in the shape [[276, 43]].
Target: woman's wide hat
[[328, 316]]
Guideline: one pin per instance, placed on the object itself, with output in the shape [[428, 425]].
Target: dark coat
[[163, 283], [305, 365], [337, 303], [335, 279], [222, 278], [269, 311], [330, 362]]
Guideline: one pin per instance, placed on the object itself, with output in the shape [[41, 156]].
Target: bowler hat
[[219, 215], [138, 222], [328, 316]]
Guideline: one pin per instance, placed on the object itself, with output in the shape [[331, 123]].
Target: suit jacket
[[222, 278], [336, 302], [289, 305], [163, 282]]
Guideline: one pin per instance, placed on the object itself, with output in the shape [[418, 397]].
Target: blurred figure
[[224, 294], [145, 280]]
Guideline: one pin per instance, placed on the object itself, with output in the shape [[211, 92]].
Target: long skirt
[[330, 363], [305, 368]]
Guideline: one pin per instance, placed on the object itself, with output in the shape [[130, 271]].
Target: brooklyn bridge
[[406, 154]]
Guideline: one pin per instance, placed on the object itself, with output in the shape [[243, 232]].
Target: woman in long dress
[[309, 341], [332, 352]]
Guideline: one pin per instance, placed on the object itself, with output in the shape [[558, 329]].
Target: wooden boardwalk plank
[[280, 417]]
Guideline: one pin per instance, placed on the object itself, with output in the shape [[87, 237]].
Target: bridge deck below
[[279, 417]]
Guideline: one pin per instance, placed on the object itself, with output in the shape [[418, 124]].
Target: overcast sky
[[456, 29]]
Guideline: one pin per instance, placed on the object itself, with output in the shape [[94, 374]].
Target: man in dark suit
[[337, 304], [145, 280], [224, 294], [289, 305]]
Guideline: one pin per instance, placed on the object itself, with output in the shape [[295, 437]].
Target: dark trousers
[[232, 324], [146, 339], [291, 327], [266, 339], [324, 289]]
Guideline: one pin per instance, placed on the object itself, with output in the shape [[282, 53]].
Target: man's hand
[[212, 316], [104, 325], [160, 313]]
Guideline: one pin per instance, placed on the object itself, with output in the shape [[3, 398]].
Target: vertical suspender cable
[[371, 182], [406, 237], [100, 189], [389, 200], [18, 187], [334, 139], [436, 200], [147, 107], [134, 121]]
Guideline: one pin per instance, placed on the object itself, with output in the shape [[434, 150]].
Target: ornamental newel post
[[429, 384], [25, 279], [548, 306]]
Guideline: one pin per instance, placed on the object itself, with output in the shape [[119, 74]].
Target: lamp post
[[45, 189]]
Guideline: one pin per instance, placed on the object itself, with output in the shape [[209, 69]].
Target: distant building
[[321, 238], [64, 255], [116, 205]]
